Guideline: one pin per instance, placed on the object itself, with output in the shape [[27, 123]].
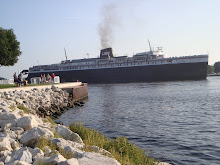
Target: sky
[[45, 27]]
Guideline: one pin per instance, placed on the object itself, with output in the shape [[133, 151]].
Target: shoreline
[[24, 121]]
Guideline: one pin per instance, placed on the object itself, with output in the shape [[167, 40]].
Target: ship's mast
[[65, 53], [149, 45]]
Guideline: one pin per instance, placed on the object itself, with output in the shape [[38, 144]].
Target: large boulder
[[36, 153], [55, 159], [3, 123], [68, 134], [72, 161], [91, 158], [64, 143], [30, 137], [27, 122], [9, 116], [17, 130], [17, 162], [69, 146], [5, 143], [4, 153], [22, 154]]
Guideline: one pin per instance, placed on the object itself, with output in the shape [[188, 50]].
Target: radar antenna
[[65, 53]]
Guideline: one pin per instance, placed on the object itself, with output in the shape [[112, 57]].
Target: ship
[[146, 66]]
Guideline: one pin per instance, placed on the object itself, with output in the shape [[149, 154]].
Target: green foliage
[[40, 162], [43, 142], [21, 107], [217, 67], [2, 86], [125, 152], [210, 69], [57, 135], [9, 47], [51, 121], [12, 107]]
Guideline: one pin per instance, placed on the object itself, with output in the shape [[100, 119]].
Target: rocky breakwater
[[28, 137]]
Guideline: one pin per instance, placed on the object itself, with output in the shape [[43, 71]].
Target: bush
[[125, 152]]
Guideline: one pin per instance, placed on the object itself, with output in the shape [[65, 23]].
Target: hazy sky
[[45, 27]]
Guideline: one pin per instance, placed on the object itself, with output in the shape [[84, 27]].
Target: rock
[[36, 153], [30, 137], [5, 144], [9, 116], [163, 163], [55, 159], [27, 122], [3, 123], [69, 146], [41, 160], [7, 159], [91, 158], [20, 112], [4, 153], [64, 143], [17, 162], [10, 133], [22, 154], [47, 151], [72, 161], [14, 145], [3, 104], [17, 130], [101, 151], [55, 89], [68, 134]]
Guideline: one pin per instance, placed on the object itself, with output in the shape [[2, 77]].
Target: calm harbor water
[[179, 122]]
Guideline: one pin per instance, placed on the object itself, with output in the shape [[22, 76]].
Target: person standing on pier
[[53, 75]]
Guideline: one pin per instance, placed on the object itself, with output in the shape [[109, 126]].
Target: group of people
[[48, 78], [18, 79]]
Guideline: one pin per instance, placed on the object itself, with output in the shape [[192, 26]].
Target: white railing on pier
[[37, 80], [9, 81]]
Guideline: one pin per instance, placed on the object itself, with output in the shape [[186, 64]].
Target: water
[[179, 122]]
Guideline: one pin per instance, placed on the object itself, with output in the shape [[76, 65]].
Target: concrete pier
[[78, 90]]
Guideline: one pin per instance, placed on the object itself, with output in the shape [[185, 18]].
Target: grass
[[12, 107], [2, 86], [51, 121], [122, 150], [21, 107], [43, 142]]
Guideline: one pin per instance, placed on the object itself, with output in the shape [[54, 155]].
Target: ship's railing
[[38, 80]]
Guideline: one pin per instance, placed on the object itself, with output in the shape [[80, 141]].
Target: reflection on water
[[178, 121]]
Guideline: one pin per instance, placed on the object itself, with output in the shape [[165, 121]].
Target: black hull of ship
[[150, 73]]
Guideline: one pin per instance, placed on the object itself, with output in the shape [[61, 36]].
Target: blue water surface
[[178, 122]]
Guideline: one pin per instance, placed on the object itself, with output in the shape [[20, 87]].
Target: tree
[[210, 69], [9, 47], [217, 67]]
